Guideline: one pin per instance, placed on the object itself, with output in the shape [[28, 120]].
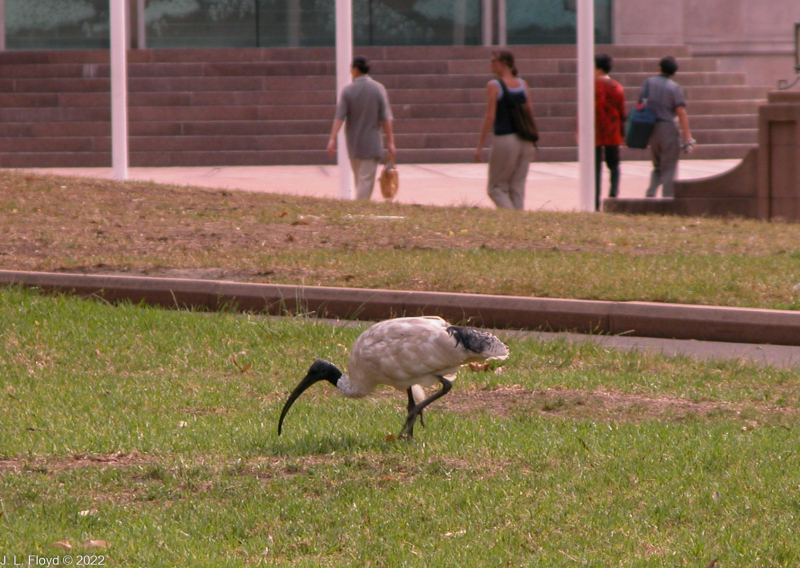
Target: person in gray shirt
[[665, 97], [364, 110]]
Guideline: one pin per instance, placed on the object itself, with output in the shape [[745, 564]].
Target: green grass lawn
[[155, 431]]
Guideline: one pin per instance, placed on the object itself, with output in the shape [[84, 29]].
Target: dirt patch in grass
[[75, 461], [155, 468], [608, 406], [602, 405]]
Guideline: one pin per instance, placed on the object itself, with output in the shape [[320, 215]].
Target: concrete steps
[[275, 106]]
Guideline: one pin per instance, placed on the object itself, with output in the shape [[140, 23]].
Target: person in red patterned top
[[609, 101]]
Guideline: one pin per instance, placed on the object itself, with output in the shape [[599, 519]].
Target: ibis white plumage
[[408, 354]]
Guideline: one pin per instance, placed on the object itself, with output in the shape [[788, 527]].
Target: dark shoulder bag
[[521, 117], [641, 122]]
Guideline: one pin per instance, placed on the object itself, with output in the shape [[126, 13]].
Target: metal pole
[[369, 5], [502, 23], [459, 22], [141, 26], [586, 137], [293, 23], [2, 25], [344, 60], [258, 25], [119, 90], [487, 23]]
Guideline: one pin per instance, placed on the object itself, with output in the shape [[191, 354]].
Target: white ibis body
[[407, 354]]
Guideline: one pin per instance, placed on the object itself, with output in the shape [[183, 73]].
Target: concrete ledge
[[731, 193], [741, 182], [645, 319]]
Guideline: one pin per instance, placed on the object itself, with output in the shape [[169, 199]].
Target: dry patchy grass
[[93, 226], [52, 223]]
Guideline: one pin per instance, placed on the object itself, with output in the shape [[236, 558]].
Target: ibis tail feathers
[[480, 342]]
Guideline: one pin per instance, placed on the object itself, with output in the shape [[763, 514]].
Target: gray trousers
[[665, 145], [364, 171], [508, 170]]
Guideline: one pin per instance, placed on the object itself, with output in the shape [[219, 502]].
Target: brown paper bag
[[389, 180]]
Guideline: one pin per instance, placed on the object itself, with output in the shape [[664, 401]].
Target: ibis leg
[[408, 427], [411, 404]]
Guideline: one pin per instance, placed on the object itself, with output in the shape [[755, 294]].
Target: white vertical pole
[[488, 23], [586, 139], [344, 60], [119, 90], [502, 23]]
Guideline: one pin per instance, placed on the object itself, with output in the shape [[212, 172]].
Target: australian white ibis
[[407, 354]]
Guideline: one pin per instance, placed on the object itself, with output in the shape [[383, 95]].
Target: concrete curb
[[644, 319]]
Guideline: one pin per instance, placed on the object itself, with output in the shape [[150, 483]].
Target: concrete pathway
[[779, 356], [551, 185]]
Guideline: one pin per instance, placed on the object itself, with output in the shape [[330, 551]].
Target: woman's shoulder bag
[[521, 117]]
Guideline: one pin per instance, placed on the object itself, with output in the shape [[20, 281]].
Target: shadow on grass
[[320, 444]]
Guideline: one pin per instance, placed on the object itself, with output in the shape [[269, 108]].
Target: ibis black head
[[320, 370]]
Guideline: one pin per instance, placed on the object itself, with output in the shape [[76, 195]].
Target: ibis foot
[[407, 433]]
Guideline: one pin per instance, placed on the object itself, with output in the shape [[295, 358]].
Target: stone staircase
[[214, 107]]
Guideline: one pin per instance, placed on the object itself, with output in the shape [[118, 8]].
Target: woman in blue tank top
[[510, 155]]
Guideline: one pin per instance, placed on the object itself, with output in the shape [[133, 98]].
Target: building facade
[[751, 36], [75, 24]]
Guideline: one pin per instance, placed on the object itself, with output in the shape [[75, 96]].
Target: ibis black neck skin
[[320, 370]]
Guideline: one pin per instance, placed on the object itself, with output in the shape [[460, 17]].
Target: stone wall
[[750, 36]]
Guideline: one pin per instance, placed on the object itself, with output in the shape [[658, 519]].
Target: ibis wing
[[406, 351]]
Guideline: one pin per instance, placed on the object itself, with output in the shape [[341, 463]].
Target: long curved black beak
[[300, 389], [319, 371]]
